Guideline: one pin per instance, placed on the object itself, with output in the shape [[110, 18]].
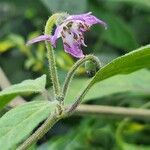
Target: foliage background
[[128, 28]]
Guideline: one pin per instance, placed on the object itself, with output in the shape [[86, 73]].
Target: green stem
[[75, 67], [78, 100], [52, 119], [40, 132], [51, 56], [98, 110]]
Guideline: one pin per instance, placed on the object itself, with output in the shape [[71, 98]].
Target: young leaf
[[133, 83], [27, 86], [19, 122], [125, 64]]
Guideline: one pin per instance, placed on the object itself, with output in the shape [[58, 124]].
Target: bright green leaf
[[6, 45], [133, 83], [125, 64], [27, 86], [19, 122]]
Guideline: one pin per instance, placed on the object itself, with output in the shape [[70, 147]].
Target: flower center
[[72, 32]]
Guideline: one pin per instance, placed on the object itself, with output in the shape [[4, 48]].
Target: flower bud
[[91, 68]]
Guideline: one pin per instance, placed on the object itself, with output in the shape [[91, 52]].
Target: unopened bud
[[91, 68]]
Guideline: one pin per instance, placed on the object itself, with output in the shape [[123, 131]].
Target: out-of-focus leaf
[[91, 136], [131, 144], [19, 42], [119, 33], [69, 6], [127, 146], [19, 122], [143, 3], [132, 83], [27, 86], [65, 62], [6, 45]]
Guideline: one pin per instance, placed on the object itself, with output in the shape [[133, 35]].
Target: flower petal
[[88, 19], [74, 50], [56, 35], [79, 17], [39, 39]]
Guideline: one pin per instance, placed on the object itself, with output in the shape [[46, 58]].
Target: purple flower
[[71, 30]]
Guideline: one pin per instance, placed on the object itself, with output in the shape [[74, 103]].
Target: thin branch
[[75, 67], [111, 110]]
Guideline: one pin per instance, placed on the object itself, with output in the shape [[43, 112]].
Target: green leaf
[[125, 64], [5, 45], [118, 33], [19, 122], [66, 5], [126, 146], [27, 86], [133, 83], [143, 3], [128, 138]]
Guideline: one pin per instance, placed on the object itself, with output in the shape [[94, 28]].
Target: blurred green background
[[128, 28]]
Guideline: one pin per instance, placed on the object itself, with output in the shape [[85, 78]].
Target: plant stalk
[[40, 132], [51, 57], [75, 67], [98, 110]]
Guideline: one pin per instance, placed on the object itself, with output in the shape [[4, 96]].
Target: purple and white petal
[[74, 50], [88, 19], [71, 30], [57, 34], [39, 39], [78, 17], [91, 20]]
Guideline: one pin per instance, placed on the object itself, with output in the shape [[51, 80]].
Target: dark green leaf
[[27, 86], [19, 122], [125, 64], [141, 3], [118, 33]]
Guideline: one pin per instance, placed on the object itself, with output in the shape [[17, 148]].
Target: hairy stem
[[51, 57], [78, 100], [40, 132], [111, 110], [75, 67], [52, 119]]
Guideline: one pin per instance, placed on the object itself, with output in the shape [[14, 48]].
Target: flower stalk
[[75, 67], [41, 131], [51, 57]]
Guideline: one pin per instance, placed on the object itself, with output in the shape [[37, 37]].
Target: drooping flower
[[71, 30]]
